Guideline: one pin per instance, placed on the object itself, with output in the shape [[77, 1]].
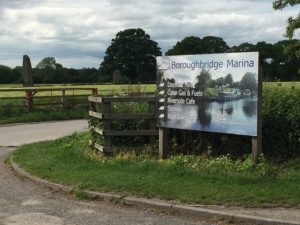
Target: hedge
[[281, 128]]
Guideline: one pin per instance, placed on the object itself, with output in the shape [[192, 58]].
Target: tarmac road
[[23, 202], [18, 134]]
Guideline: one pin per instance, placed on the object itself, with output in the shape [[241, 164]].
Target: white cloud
[[72, 30]]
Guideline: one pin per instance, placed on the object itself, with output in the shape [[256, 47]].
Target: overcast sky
[[77, 33]]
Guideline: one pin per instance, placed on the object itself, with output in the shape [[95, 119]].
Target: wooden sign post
[[163, 143], [257, 141]]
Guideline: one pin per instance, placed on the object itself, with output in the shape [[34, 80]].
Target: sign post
[[163, 143], [218, 93], [257, 141]]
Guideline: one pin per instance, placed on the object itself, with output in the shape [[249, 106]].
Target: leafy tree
[[87, 75], [212, 44], [248, 81], [133, 53], [267, 56], [220, 81], [17, 71], [196, 45], [6, 74], [293, 23], [244, 47], [189, 45], [48, 62], [229, 79], [204, 79], [48, 71], [287, 60]]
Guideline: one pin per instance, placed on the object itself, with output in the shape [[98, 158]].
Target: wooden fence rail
[[30, 95], [106, 117]]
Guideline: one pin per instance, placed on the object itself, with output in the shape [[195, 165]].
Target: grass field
[[190, 179], [106, 89], [12, 110]]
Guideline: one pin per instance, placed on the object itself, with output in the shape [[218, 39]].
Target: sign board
[[210, 92]]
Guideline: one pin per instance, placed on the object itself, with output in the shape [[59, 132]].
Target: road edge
[[38, 122], [156, 204]]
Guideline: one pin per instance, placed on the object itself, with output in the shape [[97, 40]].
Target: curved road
[[23, 202]]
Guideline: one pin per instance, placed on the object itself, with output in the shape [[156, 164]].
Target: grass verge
[[44, 115], [189, 179]]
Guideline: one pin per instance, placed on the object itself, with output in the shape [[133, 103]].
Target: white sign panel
[[211, 92]]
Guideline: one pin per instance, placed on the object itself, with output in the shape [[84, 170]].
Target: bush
[[281, 121]]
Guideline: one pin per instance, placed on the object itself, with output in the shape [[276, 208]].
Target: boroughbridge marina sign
[[211, 92]]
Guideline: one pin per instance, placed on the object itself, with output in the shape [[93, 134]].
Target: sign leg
[[163, 143], [256, 149]]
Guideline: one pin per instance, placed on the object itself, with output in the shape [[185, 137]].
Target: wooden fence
[[63, 96], [107, 117]]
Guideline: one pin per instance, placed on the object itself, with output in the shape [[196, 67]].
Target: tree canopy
[[48, 63], [248, 81], [6, 74], [196, 45], [132, 52], [293, 23], [189, 45], [279, 60], [203, 80], [229, 79]]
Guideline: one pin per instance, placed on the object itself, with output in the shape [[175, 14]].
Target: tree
[[204, 79], [286, 60], [244, 47], [6, 74], [248, 81], [196, 45], [189, 45], [220, 82], [48, 62], [293, 23], [212, 44], [229, 79], [17, 71], [48, 71], [267, 56], [132, 52]]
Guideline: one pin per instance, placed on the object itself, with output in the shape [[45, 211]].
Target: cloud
[[70, 29]]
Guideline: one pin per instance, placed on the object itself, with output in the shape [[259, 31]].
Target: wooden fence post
[[94, 91], [63, 98], [29, 99], [107, 125], [152, 121]]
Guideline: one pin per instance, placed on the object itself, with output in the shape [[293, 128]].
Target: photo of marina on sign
[[212, 92]]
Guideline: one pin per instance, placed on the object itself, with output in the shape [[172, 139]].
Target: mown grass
[[190, 179]]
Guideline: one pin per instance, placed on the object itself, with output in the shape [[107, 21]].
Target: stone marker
[[27, 72], [117, 77]]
